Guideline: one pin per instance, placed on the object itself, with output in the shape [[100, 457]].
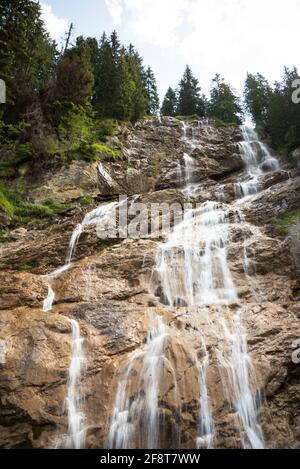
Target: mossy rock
[[93, 152], [284, 222]]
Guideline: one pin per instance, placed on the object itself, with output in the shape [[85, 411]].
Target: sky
[[229, 37]]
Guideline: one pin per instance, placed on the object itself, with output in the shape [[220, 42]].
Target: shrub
[[92, 152], [23, 153], [105, 128], [5, 205], [73, 121]]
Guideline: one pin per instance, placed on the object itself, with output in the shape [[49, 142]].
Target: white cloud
[[154, 21], [226, 36], [55, 26], [235, 36], [115, 8]]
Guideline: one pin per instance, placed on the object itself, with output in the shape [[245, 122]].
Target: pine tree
[[136, 71], [74, 73], [190, 101], [151, 92], [27, 54], [170, 103], [74, 78], [224, 105], [257, 93], [283, 116]]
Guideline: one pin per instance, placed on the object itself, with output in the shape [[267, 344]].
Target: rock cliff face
[[205, 360]]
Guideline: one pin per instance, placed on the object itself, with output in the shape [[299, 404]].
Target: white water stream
[[100, 215], [192, 270], [74, 400], [141, 410], [258, 161]]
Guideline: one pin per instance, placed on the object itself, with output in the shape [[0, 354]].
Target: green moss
[[25, 267], [283, 222], [73, 121], [5, 204], [6, 420], [26, 209], [21, 188], [92, 152], [221, 123], [37, 431], [85, 200], [20, 211], [3, 236]]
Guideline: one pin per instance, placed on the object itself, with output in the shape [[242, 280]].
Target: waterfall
[[190, 189], [76, 433], [138, 406], [205, 425], [257, 160], [48, 301], [237, 366], [192, 271], [188, 166], [100, 215], [191, 265]]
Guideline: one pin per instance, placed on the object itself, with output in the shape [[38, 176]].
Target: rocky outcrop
[[150, 154], [294, 235], [79, 179], [110, 290], [277, 200]]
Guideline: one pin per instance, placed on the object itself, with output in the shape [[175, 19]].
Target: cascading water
[[205, 425], [76, 417], [138, 406], [258, 161], [191, 266], [188, 166], [236, 366], [191, 270], [190, 189], [99, 215]]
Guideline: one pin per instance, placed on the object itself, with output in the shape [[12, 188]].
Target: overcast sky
[[230, 37]]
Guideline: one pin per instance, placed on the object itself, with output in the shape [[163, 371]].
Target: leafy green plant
[[23, 153], [105, 128], [93, 152]]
